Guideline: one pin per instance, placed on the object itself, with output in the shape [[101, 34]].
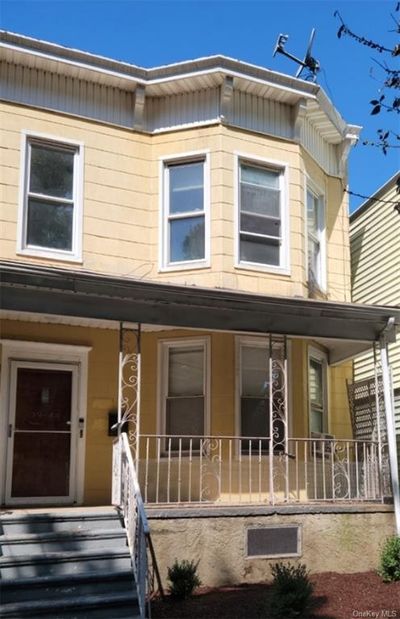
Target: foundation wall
[[344, 540]]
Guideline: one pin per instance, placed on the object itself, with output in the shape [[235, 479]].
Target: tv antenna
[[308, 62]]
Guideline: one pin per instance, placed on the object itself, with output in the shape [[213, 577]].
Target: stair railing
[[126, 494]]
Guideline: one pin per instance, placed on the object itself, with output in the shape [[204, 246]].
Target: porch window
[[51, 211], [184, 391], [261, 227], [185, 213], [317, 392], [254, 396], [316, 239]]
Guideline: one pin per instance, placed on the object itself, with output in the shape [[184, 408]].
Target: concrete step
[[54, 587], [86, 606], [70, 540], [57, 563], [79, 519]]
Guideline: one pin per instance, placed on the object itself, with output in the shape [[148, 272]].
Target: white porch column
[[391, 434], [129, 378]]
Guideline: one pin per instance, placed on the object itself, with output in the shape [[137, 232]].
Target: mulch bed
[[336, 596]]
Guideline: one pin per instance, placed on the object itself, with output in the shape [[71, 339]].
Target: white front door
[[42, 433]]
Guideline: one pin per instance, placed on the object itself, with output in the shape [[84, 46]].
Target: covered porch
[[290, 456]]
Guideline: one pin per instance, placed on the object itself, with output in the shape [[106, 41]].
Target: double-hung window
[[254, 395], [316, 239], [184, 392], [317, 369], [262, 234], [185, 213], [51, 209]]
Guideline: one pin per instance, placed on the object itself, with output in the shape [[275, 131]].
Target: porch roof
[[77, 293]]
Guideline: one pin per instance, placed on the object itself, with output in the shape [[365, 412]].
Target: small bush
[[183, 578], [389, 569], [291, 590]]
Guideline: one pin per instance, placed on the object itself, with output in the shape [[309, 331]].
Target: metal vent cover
[[273, 541]]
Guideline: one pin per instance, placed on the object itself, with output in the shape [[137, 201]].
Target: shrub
[[389, 569], [183, 578], [291, 590]]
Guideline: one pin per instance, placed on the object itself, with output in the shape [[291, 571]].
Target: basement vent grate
[[274, 541]]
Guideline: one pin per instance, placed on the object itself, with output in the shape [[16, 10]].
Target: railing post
[[390, 428]]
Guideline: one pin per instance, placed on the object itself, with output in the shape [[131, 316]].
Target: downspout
[[388, 335]]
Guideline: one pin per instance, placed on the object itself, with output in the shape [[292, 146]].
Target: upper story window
[[185, 213], [316, 239], [263, 236], [50, 223]]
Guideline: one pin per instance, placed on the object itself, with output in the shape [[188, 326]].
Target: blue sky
[[150, 33]]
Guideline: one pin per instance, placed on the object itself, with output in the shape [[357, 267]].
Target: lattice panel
[[363, 401]]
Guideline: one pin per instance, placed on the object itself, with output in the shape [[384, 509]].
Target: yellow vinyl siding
[[121, 201]]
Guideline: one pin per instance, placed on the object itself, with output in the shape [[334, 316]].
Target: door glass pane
[[52, 171], [259, 250], [186, 371], [186, 188], [49, 224], [41, 464], [43, 400], [187, 239]]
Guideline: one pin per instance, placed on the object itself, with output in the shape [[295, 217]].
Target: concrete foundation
[[333, 538]]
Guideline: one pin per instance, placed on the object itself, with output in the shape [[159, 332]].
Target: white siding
[[163, 113], [319, 149], [375, 257], [78, 97], [66, 94], [263, 115]]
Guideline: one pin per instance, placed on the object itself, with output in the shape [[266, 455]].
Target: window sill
[[50, 255], [185, 266], [261, 268]]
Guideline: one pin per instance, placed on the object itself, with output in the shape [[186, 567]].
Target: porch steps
[[65, 564]]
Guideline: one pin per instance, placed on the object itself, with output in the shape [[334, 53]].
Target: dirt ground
[[336, 596]]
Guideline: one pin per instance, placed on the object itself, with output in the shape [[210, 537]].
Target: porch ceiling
[[28, 288]]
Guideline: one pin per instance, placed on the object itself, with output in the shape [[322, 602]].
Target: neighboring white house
[[375, 262]]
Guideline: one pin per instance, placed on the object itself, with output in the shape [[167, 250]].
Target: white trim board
[[42, 353]]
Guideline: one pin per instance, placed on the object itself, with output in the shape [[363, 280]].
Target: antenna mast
[[308, 61]]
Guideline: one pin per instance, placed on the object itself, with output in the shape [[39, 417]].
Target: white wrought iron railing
[[246, 470], [126, 494]]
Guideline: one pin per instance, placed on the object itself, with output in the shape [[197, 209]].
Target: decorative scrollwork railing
[[258, 470]]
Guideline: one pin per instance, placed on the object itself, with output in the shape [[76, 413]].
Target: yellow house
[[175, 263]]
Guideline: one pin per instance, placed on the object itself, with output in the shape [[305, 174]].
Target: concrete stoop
[[65, 564]]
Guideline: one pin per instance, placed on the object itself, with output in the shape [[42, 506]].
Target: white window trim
[[261, 342], [75, 255], [321, 357], [164, 347], [319, 193], [164, 162], [283, 168], [45, 353]]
